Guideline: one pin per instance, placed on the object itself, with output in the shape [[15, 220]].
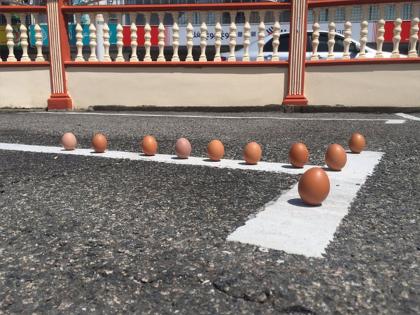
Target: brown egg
[[149, 145], [69, 141], [183, 148], [215, 150], [357, 142], [314, 186], [298, 155], [99, 143], [252, 153], [335, 157]]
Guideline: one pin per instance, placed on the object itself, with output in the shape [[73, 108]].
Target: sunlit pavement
[[87, 234]]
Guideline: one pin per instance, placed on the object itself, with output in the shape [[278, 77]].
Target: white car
[[322, 48]]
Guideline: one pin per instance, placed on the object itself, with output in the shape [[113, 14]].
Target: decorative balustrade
[[24, 41], [356, 32], [185, 40], [190, 32]]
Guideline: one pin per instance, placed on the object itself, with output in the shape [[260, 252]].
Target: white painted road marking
[[410, 117], [395, 121], [285, 224], [288, 225], [387, 121], [163, 158]]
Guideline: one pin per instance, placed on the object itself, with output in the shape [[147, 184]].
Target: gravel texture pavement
[[88, 235]]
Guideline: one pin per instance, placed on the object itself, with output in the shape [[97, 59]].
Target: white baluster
[[133, 37], [161, 38], [175, 38], [414, 37], [380, 39], [396, 39], [92, 37], [203, 36], [364, 30], [38, 40], [147, 37], [107, 44], [347, 34], [232, 36], [331, 35], [190, 37], [276, 37], [24, 39], [10, 39], [247, 36], [79, 39], [120, 43], [315, 35], [347, 40], [218, 37], [100, 48], [261, 36]]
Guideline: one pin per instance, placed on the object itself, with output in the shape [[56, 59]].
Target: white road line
[[287, 224], [163, 158], [410, 117], [387, 121], [395, 121]]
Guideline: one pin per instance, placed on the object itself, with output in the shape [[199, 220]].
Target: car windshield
[[322, 47], [284, 44]]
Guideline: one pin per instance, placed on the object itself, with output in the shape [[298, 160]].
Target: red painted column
[[59, 52], [297, 54]]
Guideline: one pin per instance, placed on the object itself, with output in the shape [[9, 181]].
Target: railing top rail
[[333, 3], [22, 8], [176, 7]]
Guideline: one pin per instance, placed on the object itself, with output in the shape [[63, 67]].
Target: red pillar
[[297, 54], [59, 52]]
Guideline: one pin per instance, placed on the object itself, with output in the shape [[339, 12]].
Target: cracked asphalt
[[89, 235]]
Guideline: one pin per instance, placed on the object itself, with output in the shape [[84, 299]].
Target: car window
[[322, 47], [268, 47], [323, 42], [309, 43], [284, 44], [339, 44]]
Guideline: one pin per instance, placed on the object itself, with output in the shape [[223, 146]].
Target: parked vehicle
[[322, 48]]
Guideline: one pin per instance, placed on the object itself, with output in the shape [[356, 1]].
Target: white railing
[[17, 34], [180, 34], [377, 26]]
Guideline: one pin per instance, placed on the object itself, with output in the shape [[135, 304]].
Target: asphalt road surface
[[90, 235]]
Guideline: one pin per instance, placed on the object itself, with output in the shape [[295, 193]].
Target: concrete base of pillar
[[60, 102], [295, 100]]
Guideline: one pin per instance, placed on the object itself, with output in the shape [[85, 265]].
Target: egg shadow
[[178, 158], [291, 167], [247, 164], [299, 203], [327, 169], [211, 161]]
